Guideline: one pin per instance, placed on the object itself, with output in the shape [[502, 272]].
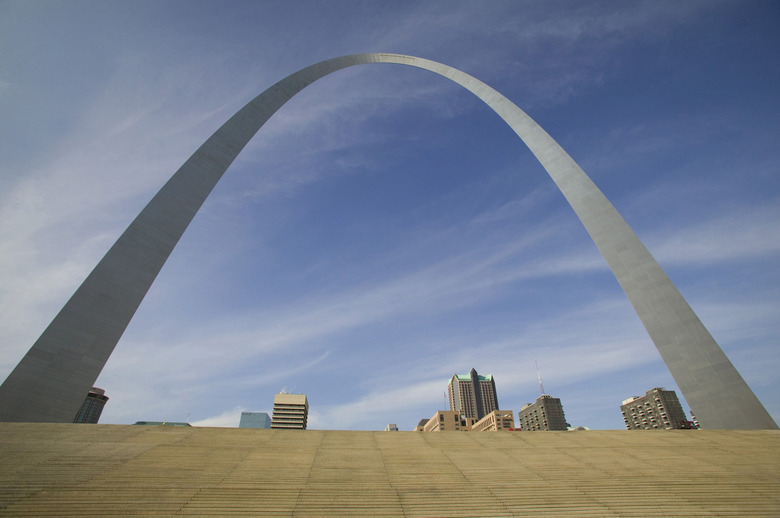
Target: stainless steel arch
[[50, 382]]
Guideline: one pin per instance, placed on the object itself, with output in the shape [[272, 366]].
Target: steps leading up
[[117, 470]]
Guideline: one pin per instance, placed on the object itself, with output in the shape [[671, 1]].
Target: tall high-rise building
[[472, 395], [93, 406], [254, 420], [546, 413], [658, 408], [291, 411]]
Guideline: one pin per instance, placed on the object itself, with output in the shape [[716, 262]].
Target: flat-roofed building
[[495, 421], [254, 420], [291, 411], [448, 421], [93, 406], [658, 408], [546, 413], [472, 395], [161, 423]]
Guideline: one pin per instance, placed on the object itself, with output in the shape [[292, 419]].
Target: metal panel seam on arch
[[50, 382]]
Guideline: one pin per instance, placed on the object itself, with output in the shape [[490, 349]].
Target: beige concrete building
[[452, 421], [472, 395], [658, 408], [546, 413], [495, 421], [448, 421], [291, 411]]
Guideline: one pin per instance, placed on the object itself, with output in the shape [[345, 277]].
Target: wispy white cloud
[[376, 406], [581, 354], [227, 419], [741, 233], [442, 287], [151, 105]]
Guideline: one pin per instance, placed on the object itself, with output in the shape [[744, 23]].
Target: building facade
[[472, 395], [546, 413], [392, 427], [254, 420], [495, 421], [291, 411], [93, 406], [161, 423], [658, 408], [421, 425], [447, 421]]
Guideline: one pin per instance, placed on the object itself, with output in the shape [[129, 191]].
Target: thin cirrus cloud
[[478, 270]]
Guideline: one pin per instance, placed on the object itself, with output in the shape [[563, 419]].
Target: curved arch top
[[50, 382]]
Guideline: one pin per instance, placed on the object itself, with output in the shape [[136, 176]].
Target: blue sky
[[385, 229]]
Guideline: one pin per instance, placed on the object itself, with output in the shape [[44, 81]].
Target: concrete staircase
[[112, 470]]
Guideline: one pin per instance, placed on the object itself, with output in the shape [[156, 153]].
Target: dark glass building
[[254, 420], [92, 407]]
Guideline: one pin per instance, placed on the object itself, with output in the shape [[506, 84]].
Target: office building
[[472, 395], [291, 411], [495, 421], [161, 423], [254, 420], [658, 408], [546, 413], [93, 406], [447, 421]]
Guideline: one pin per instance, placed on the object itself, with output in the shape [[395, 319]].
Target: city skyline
[[600, 332]]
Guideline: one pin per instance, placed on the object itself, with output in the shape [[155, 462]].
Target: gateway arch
[[49, 384]]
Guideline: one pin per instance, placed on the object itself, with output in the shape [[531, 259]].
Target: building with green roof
[[472, 395]]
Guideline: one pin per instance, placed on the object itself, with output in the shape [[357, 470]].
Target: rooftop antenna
[[541, 387]]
